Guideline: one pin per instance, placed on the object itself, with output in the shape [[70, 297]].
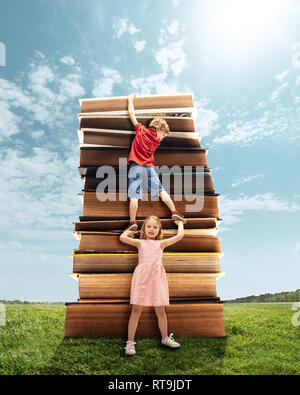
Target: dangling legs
[[167, 200], [133, 207]]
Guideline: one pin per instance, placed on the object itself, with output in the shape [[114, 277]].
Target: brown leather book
[[121, 224], [117, 285], [172, 184], [140, 102], [207, 206], [124, 138], [110, 156], [201, 299], [111, 320], [126, 263], [106, 241], [175, 124]]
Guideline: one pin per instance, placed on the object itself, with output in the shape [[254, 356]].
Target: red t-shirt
[[143, 146]]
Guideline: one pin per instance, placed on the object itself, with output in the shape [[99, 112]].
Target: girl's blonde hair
[[154, 218], [159, 124]]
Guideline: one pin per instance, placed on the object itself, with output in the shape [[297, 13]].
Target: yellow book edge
[[218, 275]]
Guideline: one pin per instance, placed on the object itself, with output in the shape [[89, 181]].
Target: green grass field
[[261, 340]]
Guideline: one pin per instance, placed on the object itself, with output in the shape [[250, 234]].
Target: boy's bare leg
[[133, 321], [133, 207], [167, 199], [169, 202], [162, 321]]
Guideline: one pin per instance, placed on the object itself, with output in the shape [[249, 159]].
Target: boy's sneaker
[[178, 217], [130, 349], [170, 342], [132, 226]]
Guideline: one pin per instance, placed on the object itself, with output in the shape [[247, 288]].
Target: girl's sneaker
[[170, 342], [130, 349]]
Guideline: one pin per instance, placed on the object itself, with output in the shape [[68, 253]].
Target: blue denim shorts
[[143, 174]]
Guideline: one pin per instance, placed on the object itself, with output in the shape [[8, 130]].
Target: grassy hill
[[261, 339], [290, 296]]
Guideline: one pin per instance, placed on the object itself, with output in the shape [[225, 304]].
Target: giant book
[[111, 320]]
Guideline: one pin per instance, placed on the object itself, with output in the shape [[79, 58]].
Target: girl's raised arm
[[172, 240], [126, 237]]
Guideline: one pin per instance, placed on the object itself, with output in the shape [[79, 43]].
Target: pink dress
[[149, 285]]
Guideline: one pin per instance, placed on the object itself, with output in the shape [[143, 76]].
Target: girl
[[149, 285]]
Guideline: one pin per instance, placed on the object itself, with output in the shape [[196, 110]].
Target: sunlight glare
[[245, 21]]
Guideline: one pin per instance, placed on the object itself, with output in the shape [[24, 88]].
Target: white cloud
[[206, 120], [282, 75], [282, 123], [37, 134], [14, 245], [120, 27], [50, 92], [123, 26], [40, 98], [170, 30], [104, 87], [175, 3], [246, 179], [139, 45], [69, 60], [39, 188], [70, 86], [14, 95], [172, 57], [39, 54], [277, 92], [232, 210], [9, 122], [172, 61], [173, 28], [153, 84], [297, 246], [276, 116], [244, 134], [39, 78], [132, 29], [296, 55], [39, 183]]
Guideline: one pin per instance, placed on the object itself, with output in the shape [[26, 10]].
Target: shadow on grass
[[106, 356]]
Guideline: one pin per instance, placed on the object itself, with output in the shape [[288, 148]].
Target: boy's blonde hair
[[159, 124], [154, 218]]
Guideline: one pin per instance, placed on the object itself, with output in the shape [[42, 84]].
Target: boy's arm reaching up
[[131, 109], [172, 240]]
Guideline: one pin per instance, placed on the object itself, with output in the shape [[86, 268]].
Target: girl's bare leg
[[167, 199], [133, 207], [162, 321], [133, 321]]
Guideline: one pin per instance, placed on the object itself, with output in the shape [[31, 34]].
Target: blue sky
[[241, 63]]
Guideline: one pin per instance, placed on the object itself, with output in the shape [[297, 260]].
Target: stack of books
[[102, 264]]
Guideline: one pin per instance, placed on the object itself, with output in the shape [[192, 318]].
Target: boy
[[141, 164]]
